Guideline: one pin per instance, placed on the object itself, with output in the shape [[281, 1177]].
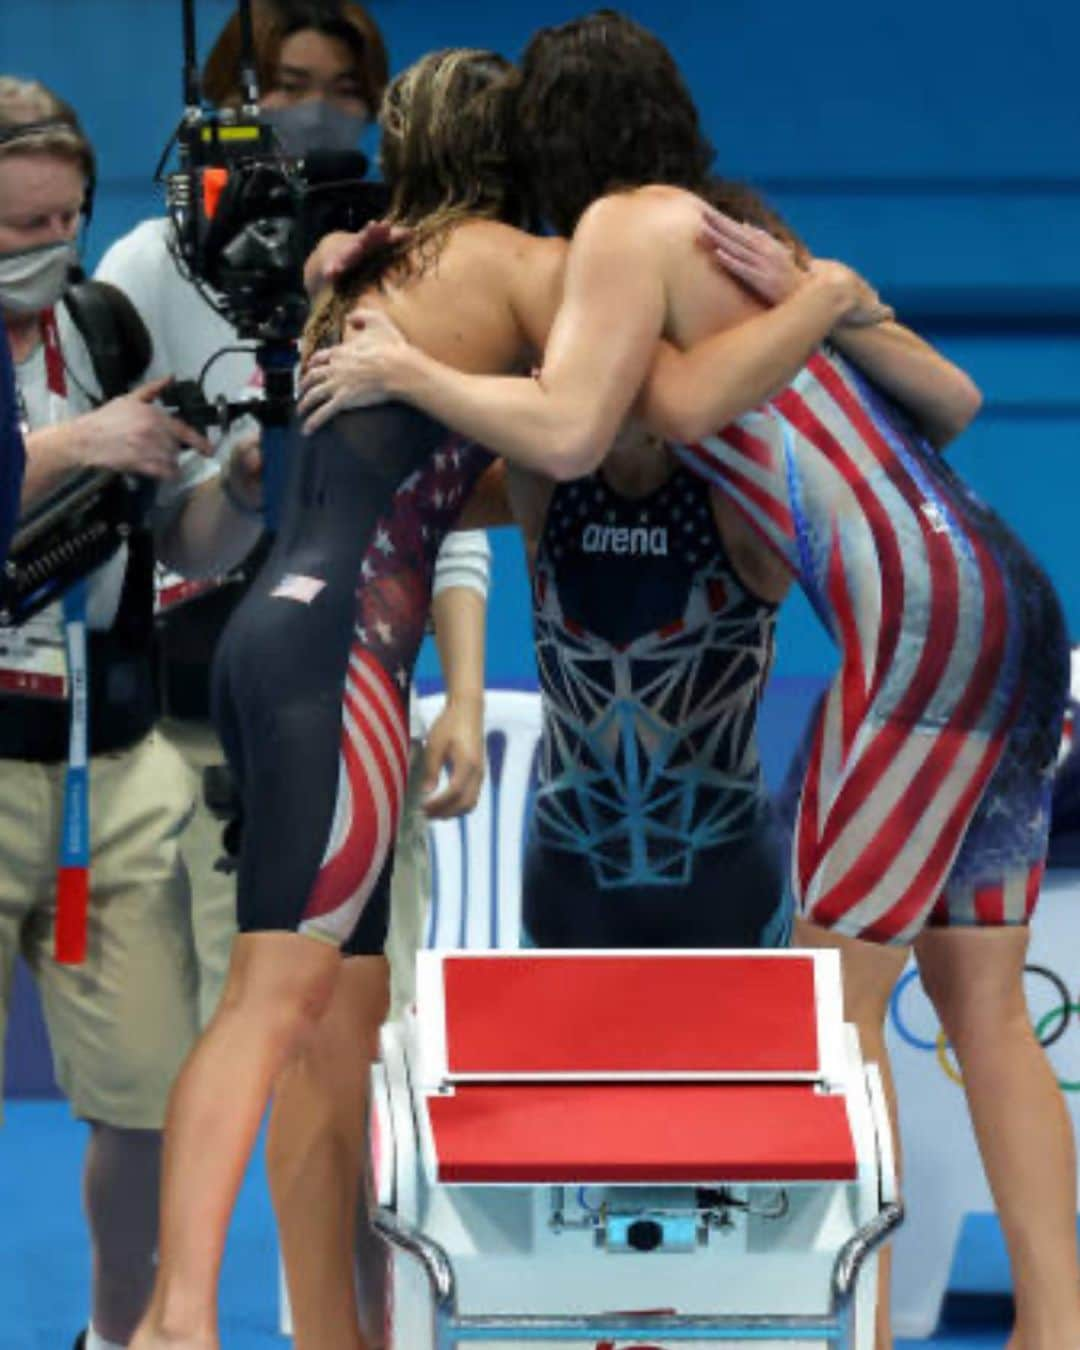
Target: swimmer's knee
[[281, 977], [974, 978]]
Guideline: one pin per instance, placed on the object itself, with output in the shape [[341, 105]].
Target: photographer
[[323, 67], [121, 1013]]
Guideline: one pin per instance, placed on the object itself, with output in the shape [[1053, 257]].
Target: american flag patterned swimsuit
[[929, 775], [312, 674]]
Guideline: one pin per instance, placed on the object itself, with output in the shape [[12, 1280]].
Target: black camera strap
[[118, 342], [122, 693]]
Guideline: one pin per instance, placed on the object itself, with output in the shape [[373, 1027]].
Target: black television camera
[[245, 218]]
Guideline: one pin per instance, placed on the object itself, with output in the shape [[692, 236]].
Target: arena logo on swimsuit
[[637, 539]]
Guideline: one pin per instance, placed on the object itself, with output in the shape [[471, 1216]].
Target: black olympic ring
[[1060, 1013]]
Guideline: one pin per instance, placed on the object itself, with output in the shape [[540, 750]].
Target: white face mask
[[33, 279]]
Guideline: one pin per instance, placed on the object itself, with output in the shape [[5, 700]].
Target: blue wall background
[[935, 146]]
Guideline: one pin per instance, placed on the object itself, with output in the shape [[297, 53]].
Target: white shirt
[[187, 332]]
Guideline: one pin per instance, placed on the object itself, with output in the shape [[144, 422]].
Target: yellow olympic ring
[[946, 1063]]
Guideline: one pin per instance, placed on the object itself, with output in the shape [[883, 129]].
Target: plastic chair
[[476, 860]]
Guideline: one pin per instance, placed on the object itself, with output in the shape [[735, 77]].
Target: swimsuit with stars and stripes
[[312, 675], [927, 789], [652, 824]]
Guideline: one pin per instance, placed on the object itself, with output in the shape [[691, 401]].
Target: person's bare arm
[[598, 352], [613, 311], [693, 393], [129, 434], [940, 396], [455, 741], [219, 522]]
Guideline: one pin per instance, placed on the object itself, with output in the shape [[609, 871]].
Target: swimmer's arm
[[692, 394], [940, 396], [937, 394], [455, 740], [560, 423]]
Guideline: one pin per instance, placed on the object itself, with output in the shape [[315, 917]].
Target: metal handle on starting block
[[450, 1328]]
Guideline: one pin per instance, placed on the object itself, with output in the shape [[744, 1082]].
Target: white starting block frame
[[710, 1150]]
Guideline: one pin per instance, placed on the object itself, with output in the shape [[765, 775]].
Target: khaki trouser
[[121, 1023]]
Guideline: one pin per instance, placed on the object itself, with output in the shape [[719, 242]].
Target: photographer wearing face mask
[[92, 889], [323, 67]]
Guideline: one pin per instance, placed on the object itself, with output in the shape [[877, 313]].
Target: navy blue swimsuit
[[652, 824], [312, 675]]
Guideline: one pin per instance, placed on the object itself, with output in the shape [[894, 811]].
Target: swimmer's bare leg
[[315, 1153], [278, 988], [869, 973], [974, 977]]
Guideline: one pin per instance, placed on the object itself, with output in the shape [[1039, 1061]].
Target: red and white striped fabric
[[927, 596], [371, 786]]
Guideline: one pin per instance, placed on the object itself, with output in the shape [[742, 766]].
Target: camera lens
[[644, 1235]]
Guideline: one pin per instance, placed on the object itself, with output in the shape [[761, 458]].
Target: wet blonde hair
[[446, 159]]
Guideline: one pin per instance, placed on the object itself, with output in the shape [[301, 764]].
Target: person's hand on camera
[[353, 374], [340, 250], [454, 743], [131, 434]]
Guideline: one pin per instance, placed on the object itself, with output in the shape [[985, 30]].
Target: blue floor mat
[[44, 1277], [44, 1285]]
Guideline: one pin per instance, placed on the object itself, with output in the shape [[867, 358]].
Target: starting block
[[605, 1148]]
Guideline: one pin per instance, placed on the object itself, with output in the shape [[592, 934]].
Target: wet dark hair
[[601, 105]]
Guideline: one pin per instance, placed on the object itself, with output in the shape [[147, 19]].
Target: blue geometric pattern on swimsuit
[[652, 657]]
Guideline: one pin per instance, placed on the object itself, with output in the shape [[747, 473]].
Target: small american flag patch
[[293, 587]]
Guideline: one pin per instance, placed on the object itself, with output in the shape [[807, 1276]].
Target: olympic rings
[[941, 1048], [1049, 1028], [916, 1042]]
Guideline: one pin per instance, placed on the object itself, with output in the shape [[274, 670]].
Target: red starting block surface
[[640, 1132], [592, 1016]]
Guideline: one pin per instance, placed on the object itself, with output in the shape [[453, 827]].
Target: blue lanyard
[[73, 873]]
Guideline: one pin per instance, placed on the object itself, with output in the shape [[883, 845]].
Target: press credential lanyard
[[73, 872]]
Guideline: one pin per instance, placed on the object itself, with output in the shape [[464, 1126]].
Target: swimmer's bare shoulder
[[666, 222], [528, 269]]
